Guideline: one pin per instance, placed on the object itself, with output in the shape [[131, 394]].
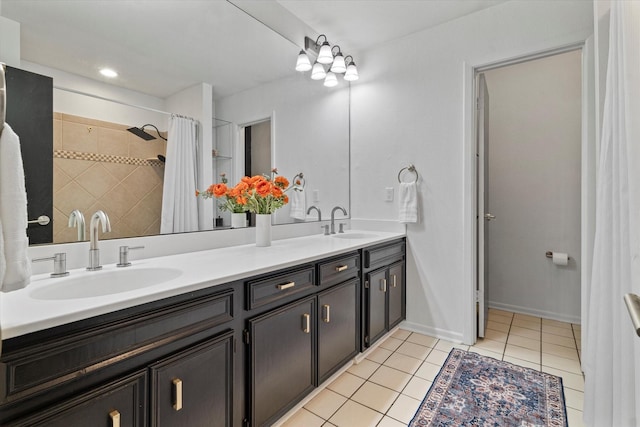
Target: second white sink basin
[[348, 235], [102, 283]]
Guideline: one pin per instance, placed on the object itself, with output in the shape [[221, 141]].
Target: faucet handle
[[326, 229], [341, 229], [59, 264], [124, 255]]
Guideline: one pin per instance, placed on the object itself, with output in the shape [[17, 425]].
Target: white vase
[[263, 229], [238, 220]]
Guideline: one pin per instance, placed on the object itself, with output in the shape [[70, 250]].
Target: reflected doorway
[[256, 147]]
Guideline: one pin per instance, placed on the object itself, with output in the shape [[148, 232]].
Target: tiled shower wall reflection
[[100, 165]]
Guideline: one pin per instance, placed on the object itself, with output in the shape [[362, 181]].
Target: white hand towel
[[408, 201], [298, 203], [13, 214]]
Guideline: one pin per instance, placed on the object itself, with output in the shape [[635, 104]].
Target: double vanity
[[235, 336]]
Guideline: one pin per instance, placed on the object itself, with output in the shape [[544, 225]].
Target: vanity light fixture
[[323, 67], [352, 72], [303, 63], [338, 66], [331, 80], [108, 72]]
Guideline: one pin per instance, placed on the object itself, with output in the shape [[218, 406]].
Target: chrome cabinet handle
[[284, 286], [306, 323], [342, 268], [115, 418], [393, 281], [489, 217], [177, 393], [327, 315], [383, 282]]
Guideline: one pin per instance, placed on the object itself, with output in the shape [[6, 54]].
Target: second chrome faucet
[[94, 251]]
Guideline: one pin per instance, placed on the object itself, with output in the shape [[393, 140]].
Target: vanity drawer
[[282, 287], [339, 270], [387, 253]]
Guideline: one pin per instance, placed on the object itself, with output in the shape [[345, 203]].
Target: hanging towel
[[408, 198], [15, 266], [298, 205]]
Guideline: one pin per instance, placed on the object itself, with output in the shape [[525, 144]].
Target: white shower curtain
[[179, 203], [611, 360]]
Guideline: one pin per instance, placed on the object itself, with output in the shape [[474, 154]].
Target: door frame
[[470, 190]]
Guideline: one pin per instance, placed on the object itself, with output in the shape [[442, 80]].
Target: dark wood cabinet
[[194, 387], [384, 304], [281, 359], [338, 326], [120, 403]]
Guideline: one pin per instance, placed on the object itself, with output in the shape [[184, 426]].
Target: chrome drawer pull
[[341, 268], [394, 280], [383, 282], [115, 418], [306, 323], [177, 392], [327, 310], [284, 286]]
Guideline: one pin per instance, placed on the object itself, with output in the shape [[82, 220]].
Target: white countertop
[[21, 313]]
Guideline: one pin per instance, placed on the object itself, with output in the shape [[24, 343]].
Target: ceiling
[[160, 47]]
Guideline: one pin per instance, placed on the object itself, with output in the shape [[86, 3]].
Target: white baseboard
[[433, 332], [562, 317]]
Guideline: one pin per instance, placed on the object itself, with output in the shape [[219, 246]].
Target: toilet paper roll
[[560, 258]]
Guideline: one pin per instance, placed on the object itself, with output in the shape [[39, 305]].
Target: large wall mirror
[[169, 54]]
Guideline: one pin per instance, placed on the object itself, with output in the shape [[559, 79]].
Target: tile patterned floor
[[386, 388]]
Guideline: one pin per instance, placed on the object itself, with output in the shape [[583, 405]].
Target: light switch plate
[[388, 194], [316, 195]]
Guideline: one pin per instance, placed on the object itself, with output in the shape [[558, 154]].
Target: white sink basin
[[100, 283], [348, 235]]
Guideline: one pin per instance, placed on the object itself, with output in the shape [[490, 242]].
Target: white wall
[[9, 42], [409, 105], [534, 186]]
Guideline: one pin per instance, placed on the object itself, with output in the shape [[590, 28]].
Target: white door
[[483, 217]]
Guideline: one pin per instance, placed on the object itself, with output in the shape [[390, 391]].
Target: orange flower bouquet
[[231, 197]]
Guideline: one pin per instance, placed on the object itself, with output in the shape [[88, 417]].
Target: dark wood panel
[[30, 115], [396, 286], [377, 305], [206, 375], [282, 359], [127, 396], [384, 254], [338, 326]]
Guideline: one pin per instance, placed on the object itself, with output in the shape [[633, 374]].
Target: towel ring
[[409, 168], [301, 177]]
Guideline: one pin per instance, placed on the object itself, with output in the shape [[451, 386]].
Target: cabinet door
[[120, 403], [377, 305], [194, 387], [396, 290], [282, 359], [337, 327]]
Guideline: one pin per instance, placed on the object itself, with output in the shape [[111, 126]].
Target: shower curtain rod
[[78, 92]]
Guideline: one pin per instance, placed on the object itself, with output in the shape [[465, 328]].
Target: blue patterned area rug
[[474, 390]]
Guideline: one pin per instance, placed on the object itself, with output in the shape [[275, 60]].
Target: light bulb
[[338, 65], [303, 63], [352, 73], [325, 56], [318, 72], [331, 80]]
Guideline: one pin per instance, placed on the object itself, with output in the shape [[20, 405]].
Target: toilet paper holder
[[549, 254]]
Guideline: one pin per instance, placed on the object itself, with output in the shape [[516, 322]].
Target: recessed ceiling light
[[108, 72]]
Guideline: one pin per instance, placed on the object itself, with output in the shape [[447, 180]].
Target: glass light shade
[[325, 56], [303, 63], [318, 72], [338, 65], [351, 73], [331, 80]]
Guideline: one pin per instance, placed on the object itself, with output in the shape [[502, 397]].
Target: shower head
[[140, 132]]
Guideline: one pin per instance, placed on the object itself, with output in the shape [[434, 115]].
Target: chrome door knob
[[489, 217]]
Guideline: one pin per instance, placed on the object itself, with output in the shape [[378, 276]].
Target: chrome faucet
[[76, 219], [316, 208], [333, 213], [94, 252]]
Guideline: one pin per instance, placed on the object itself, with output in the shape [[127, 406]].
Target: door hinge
[[245, 336], [366, 284], [366, 340], [478, 294], [477, 103]]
